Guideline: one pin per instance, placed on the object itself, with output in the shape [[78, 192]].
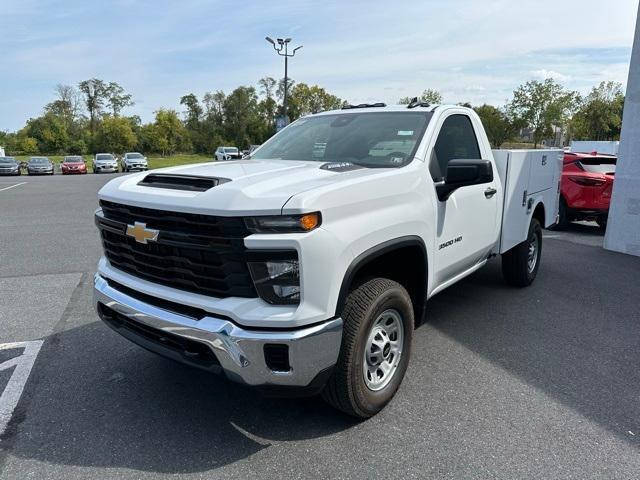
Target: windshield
[[230, 150], [104, 156], [599, 164], [73, 159], [371, 139], [134, 155], [39, 160], [7, 160]]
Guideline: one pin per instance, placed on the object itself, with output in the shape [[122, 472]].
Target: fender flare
[[377, 251]]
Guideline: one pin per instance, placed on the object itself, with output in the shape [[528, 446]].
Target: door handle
[[490, 192]]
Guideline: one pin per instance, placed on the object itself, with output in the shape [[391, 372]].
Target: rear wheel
[[602, 222], [563, 217], [520, 264], [375, 349]]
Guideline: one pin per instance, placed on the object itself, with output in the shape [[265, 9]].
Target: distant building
[[588, 146], [559, 138]]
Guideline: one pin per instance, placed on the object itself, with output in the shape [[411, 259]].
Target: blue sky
[[476, 51]]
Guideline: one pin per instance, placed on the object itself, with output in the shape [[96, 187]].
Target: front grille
[[198, 253]]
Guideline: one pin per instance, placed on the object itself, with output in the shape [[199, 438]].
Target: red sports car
[[73, 164], [585, 189]]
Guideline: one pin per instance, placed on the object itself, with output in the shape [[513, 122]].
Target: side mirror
[[463, 173]]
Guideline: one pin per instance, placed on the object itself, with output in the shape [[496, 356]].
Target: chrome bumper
[[240, 353]]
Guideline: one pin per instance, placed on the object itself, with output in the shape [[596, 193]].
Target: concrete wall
[[623, 230]]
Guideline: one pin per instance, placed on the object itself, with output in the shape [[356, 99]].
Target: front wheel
[[520, 264], [376, 345]]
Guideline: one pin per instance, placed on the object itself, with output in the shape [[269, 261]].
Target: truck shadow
[[107, 403], [573, 334]]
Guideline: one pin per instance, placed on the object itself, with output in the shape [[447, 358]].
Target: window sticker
[[405, 133]]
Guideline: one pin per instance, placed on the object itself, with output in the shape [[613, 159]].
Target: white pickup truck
[[306, 267]]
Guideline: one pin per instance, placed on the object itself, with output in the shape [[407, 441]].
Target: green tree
[[307, 99], [541, 106], [49, 131], [28, 145], [174, 136], [496, 123], [600, 114], [117, 98], [77, 147], [243, 124], [268, 106], [115, 135], [194, 110], [430, 96], [280, 90], [95, 95], [214, 105], [150, 139]]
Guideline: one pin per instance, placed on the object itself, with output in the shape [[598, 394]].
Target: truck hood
[[252, 186]]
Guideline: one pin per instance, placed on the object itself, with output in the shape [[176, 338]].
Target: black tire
[[346, 389], [516, 267]]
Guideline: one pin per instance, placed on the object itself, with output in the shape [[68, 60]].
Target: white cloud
[[361, 50], [543, 74]]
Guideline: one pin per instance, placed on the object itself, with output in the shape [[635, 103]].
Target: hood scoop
[[190, 183]]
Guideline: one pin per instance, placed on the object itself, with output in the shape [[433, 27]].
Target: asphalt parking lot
[[535, 383]]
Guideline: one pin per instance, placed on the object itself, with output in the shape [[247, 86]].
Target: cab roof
[[366, 108]]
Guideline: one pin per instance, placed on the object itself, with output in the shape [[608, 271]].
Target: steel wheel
[[532, 257], [383, 350]]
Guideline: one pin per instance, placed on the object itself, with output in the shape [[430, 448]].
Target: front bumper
[[137, 166], [106, 168], [219, 345]]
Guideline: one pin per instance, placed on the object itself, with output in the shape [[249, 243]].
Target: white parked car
[[227, 153], [134, 161], [309, 267], [104, 162]]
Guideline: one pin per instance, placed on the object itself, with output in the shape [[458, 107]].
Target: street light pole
[[282, 49]]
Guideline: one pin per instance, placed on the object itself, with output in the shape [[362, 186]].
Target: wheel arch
[[539, 213], [387, 259]]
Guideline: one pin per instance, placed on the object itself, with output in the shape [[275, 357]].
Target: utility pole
[[281, 46]]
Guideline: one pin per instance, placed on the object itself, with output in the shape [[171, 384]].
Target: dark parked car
[[39, 166], [9, 166]]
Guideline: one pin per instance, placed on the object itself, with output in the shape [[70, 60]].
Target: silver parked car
[[134, 161], [104, 162], [227, 153]]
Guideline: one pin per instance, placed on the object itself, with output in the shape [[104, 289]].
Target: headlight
[[284, 223], [277, 281]]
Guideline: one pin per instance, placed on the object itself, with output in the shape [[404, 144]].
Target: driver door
[[467, 222]]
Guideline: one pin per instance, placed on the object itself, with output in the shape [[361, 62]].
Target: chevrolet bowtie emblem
[[141, 233]]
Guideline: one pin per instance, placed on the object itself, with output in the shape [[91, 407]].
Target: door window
[[456, 141]]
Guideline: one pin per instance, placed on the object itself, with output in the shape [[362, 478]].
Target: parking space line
[[13, 391], [12, 186]]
